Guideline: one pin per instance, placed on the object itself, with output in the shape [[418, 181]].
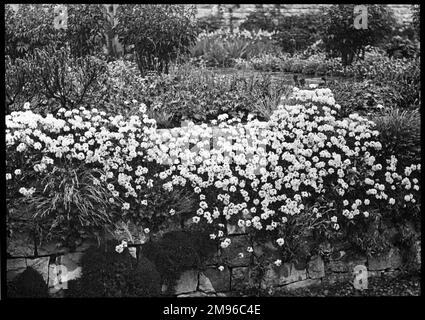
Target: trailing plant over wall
[[307, 170]]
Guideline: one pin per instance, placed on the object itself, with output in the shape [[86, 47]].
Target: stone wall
[[402, 12], [59, 265]]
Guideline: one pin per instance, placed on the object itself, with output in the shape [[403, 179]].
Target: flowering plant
[[78, 168], [303, 163], [305, 171]]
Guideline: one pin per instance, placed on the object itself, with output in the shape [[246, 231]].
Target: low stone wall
[[237, 274]]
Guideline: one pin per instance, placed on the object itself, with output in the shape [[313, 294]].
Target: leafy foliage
[[106, 273], [342, 39], [157, 33], [51, 79], [29, 28], [400, 134], [87, 25], [28, 284]]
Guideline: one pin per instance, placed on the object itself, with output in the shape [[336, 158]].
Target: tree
[[342, 39]]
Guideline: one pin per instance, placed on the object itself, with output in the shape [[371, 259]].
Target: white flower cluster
[[119, 147], [303, 161]]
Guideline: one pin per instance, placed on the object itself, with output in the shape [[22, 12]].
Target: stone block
[[234, 229], [345, 262], [205, 284], [65, 268], [231, 254], [332, 278], [220, 280], [188, 282], [390, 260], [241, 278], [282, 275], [303, 284], [41, 265], [15, 267], [196, 294], [50, 248], [20, 244], [316, 268]]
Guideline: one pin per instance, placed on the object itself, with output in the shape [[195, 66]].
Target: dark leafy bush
[[29, 284], [87, 24], [107, 273], [201, 95], [260, 19], [178, 251], [403, 75], [51, 79], [343, 40], [211, 22], [363, 97], [156, 33], [298, 32], [30, 27], [401, 47]]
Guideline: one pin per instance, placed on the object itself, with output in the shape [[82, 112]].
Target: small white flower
[[366, 214], [172, 212], [280, 241], [146, 230], [119, 248], [334, 219], [249, 249], [278, 262], [8, 176], [124, 243], [221, 268]]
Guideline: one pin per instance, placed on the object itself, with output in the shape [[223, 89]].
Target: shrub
[[201, 95], [87, 25], [157, 33], [363, 97], [296, 33], [265, 62], [29, 28], [342, 39], [403, 75], [401, 47], [107, 273], [32, 27], [177, 252], [222, 48], [62, 170], [400, 134], [260, 19], [211, 22], [321, 168], [28, 284], [52, 79]]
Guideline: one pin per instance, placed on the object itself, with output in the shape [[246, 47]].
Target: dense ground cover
[[84, 153]]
